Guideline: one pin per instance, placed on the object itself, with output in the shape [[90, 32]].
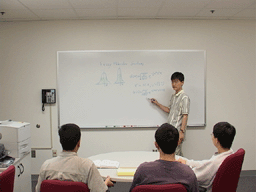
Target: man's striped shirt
[[179, 105]]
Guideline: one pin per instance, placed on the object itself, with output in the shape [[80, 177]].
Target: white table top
[[126, 159]]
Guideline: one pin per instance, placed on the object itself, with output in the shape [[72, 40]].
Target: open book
[[106, 164]]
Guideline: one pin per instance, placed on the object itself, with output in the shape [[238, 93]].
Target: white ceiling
[[40, 10]]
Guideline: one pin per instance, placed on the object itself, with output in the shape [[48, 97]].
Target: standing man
[[178, 109]]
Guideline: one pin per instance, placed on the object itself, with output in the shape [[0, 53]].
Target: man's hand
[[108, 182], [181, 138], [164, 108], [183, 161], [153, 100]]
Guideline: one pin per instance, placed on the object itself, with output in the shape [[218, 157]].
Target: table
[[126, 159]]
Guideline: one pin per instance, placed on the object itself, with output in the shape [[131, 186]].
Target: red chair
[[63, 186], [7, 179], [160, 188], [227, 176]]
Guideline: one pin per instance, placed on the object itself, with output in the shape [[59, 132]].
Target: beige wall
[[28, 52]]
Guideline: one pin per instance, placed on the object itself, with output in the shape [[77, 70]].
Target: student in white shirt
[[205, 170], [69, 167]]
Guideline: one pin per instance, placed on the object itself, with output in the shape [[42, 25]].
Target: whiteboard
[[111, 88]]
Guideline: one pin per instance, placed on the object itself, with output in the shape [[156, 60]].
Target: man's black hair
[[69, 134], [225, 134], [167, 137], [178, 75]]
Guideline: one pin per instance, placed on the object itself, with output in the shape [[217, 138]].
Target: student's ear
[[156, 145], [215, 141], [78, 143]]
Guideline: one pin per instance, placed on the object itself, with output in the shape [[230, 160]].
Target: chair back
[[228, 174], [7, 179], [160, 188], [63, 186]]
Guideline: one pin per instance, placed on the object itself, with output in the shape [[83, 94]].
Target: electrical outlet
[[54, 153], [33, 153]]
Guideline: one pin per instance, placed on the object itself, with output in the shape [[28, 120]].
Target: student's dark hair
[[167, 138], [225, 134], [69, 134], [178, 75]]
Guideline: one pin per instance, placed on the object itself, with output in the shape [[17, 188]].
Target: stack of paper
[[106, 164], [126, 171]]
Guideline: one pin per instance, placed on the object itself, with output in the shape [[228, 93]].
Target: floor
[[247, 183]]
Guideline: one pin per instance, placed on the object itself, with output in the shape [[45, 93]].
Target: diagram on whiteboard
[[119, 79], [103, 80]]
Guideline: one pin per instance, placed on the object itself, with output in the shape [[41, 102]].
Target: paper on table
[[106, 164], [126, 171]]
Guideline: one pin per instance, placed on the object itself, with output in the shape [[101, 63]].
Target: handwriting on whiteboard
[[146, 92], [144, 82], [145, 75], [109, 64]]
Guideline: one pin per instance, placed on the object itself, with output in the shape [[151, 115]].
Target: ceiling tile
[[93, 4], [140, 3], [10, 4], [218, 12], [19, 14], [221, 4], [46, 4], [182, 12], [55, 13], [134, 9], [246, 13], [198, 4], [107, 12], [253, 6], [137, 12]]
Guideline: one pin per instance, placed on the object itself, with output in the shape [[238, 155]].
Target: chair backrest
[[63, 186], [160, 188], [7, 179], [228, 174]]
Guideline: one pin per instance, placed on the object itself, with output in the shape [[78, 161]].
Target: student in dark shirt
[[165, 170]]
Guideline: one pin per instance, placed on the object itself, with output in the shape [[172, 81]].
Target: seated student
[[68, 166], [222, 138], [165, 170]]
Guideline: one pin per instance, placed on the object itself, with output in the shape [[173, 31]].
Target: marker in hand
[[151, 99]]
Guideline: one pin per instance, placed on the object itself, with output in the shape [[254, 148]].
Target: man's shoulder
[[77, 159], [159, 163], [84, 161], [48, 161], [184, 95], [150, 164], [184, 167], [174, 166]]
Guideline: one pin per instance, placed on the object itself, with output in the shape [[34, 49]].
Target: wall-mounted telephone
[[48, 97]]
